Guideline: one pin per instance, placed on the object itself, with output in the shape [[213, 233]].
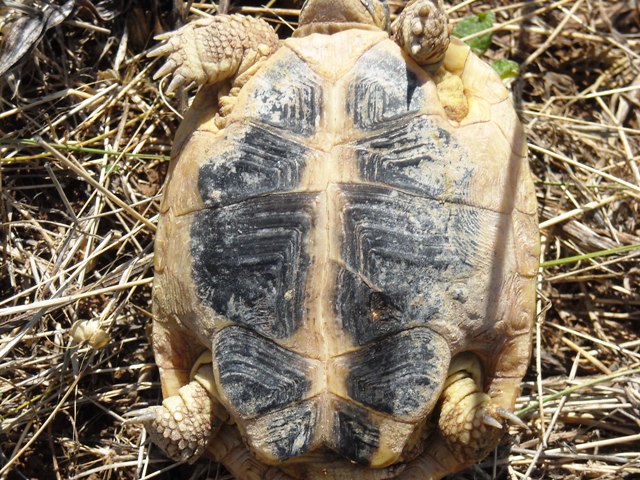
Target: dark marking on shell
[[257, 161], [357, 436], [418, 156], [250, 261], [288, 95], [286, 433], [400, 375], [400, 252], [256, 375], [383, 88]]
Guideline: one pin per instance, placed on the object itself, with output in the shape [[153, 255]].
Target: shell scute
[[286, 433], [252, 161], [247, 257], [357, 436], [287, 95], [401, 375], [420, 156], [383, 88], [404, 251], [257, 376]]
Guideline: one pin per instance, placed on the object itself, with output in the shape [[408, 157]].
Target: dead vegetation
[[85, 137]]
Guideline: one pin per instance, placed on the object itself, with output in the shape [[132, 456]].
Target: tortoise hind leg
[[184, 424], [210, 50], [422, 31], [470, 422]]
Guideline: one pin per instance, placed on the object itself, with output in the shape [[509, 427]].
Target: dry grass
[[85, 139]]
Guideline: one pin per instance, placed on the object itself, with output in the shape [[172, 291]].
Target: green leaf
[[505, 68], [474, 24]]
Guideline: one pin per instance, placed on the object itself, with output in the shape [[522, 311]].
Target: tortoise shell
[[336, 244]]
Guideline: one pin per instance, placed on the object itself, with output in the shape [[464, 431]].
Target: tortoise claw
[[511, 417], [176, 82], [168, 67], [160, 49], [163, 36], [141, 416], [491, 422]]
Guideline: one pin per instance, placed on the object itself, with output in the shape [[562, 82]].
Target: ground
[[85, 135]]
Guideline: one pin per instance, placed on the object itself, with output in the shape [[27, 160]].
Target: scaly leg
[[422, 31], [468, 418], [185, 423], [210, 50]]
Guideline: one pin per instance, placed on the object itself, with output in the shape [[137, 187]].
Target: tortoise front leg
[[210, 50], [422, 30]]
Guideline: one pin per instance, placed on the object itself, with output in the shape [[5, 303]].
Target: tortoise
[[346, 254]]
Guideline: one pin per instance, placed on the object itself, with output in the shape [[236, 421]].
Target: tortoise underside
[[342, 247]]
